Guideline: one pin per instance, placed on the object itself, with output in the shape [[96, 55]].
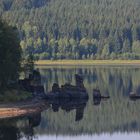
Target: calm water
[[113, 119]]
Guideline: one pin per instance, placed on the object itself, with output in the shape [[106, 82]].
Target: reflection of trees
[[16, 129], [8, 133], [113, 80], [117, 114]]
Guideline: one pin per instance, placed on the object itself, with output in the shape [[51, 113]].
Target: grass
[[88, 62], [14, 95]]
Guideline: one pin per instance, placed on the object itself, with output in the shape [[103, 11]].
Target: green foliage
[[106, 51], [75, 29], [28, 65], [136, 47], [126, 46], [14, 95], [10, 54]]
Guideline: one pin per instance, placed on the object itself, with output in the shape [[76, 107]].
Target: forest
[[10, 55], [12, 65], [76, 29]]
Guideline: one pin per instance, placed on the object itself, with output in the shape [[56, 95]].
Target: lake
[[111, 119]]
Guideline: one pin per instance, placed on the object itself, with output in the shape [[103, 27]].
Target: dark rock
[[33, 85], [52, 96], [79, 81], [30, 76], [69, 91], [36, 75], [30, 89], [78, 78], [55, 88], [24, 83], [39, 89], [55, 107], [35, 120], [97, 97], [96, 93], [134, 96]]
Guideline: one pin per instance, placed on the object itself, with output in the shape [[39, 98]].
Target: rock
[[55, 88], [32, 84], [35, 120], [36, 75], [52, 96], [134, 96], [79, 81], [26, 85], [39, 89], [96, 93], [97, 97], [69, 91]]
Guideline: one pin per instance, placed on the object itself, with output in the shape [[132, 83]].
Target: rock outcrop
[[68, 90], [97, 97]]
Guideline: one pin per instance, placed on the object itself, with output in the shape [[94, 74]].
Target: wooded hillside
[[76, 29]]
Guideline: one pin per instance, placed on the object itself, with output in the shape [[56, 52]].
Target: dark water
[[113, 119]]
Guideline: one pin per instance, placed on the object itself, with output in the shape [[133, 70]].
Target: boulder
[[79, 81], [55, 88]]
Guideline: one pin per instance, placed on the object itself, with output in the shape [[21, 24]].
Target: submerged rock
[[55, 88]]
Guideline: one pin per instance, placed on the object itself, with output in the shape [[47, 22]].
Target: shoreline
[[87, 62], [12, 110]]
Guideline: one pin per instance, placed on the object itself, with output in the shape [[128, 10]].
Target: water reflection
[[96, 118], [98, 97], [117, 114], [19, 128], [69, 105], [116, 136], [135, 95]]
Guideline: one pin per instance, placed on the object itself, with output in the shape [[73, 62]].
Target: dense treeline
[[10, 54], [76, 29], [12, 61]]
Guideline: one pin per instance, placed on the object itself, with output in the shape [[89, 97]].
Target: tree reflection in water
[[118, 114], [19, 128], [73, 117]]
